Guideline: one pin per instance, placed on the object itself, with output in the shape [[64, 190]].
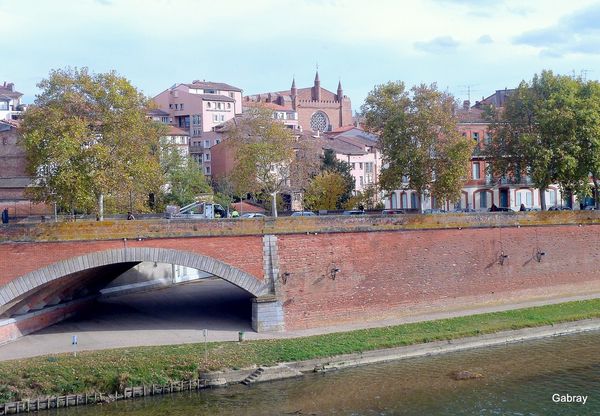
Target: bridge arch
[[23, 287]]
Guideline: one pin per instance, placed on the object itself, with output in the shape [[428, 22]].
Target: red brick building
[[13, 174], [318, 109]]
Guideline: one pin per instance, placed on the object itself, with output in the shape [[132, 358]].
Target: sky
[[468, 47]]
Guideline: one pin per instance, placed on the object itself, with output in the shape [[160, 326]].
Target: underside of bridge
[[52, 294]]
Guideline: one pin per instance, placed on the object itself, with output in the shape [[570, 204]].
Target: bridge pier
[[267, 314]]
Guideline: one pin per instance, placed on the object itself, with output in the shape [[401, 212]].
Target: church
[[317, 109]]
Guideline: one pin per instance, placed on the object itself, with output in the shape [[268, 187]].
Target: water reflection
[[518, 379]]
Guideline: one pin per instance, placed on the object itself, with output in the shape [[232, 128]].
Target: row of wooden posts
[[25, 406]]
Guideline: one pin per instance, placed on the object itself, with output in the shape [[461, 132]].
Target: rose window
[[319, 122]]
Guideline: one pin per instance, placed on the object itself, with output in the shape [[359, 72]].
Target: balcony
[[196, 148]]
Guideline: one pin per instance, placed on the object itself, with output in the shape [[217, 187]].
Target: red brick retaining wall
[[388, 274]]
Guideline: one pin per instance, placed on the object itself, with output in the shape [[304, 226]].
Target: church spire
[[316, 96], [340, 91], [294, 92]]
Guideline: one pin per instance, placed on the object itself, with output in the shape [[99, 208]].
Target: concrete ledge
[[14, 328], [295, 368], [115, 229]]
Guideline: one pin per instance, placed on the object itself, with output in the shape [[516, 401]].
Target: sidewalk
[[141, 320]]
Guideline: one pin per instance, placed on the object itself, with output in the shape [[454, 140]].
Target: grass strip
[[110, 370]]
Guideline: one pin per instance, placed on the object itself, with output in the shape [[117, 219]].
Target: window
[[414, 201], [488, 138], [360, 165], [476, 137], [319, 121], [164, 120], [171, 106], [210, 91], [206, 143], [552, 193], [404, 199], [483, 199], [219, 106], [222, 117], [206, 157], [208, 104], [362, 182], [217, 141], [405, 178], [353, 165], [207, 170], [476, 171], [229, 106], [369, 167], [181, 106], [231, 95], [215, 118]]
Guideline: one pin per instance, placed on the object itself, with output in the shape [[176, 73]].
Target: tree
[[263, 152], [538, 134], [185, 180], [330, 163], [421, 146], [588, 133], [365, 199], [325, 191], [87, 137]]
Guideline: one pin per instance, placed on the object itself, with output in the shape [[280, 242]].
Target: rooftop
[[212, 85], [8, 89]]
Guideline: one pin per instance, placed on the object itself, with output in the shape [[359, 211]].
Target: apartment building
[[198, 108]]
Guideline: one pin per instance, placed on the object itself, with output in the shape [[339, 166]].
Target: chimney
[[466, 104]]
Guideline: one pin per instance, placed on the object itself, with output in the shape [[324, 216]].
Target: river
[[518, 379]]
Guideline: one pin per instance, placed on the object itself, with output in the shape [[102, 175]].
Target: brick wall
[[389, 274], [17, 259]]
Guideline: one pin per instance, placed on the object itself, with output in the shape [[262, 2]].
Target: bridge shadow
[[210, 303]]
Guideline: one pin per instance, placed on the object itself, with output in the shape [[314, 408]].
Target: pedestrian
[[234, 213], [494, 208], [522, 208], [130, 216], [5, 216]]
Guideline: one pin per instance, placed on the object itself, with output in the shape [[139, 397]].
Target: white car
[[252, 215], [304, 214]]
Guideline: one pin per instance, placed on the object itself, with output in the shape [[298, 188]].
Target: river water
[[518, 379]]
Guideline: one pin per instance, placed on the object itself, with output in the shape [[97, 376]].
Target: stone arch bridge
[[307, 272]]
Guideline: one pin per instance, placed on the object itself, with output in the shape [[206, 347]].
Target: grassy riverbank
[[109, 370]]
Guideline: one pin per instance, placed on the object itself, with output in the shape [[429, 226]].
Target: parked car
[[589, 208], [353, 212], [434, 211], [392, 212], [556, 208], [459, 210], [303, 214], [253, 215]]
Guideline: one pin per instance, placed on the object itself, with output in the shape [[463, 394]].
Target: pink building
[[360, 150], [198, 108]]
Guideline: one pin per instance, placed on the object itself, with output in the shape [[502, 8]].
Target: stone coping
[[163, 228]]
